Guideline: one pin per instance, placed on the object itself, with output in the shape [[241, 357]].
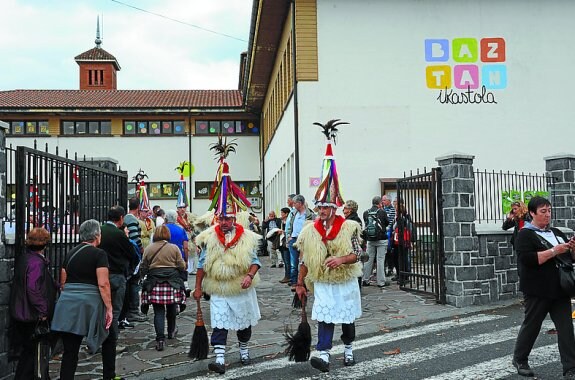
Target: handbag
[[566, 276], [565, 269], [406, 237]]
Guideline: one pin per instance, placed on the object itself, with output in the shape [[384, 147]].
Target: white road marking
[[501, 367], [274, 364], [379, 365]]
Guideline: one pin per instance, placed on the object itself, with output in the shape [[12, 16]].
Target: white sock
[[324, 355], [220, 351], [244, 349], [348, 350]]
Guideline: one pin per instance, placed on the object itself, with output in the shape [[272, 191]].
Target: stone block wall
[[480, 265]]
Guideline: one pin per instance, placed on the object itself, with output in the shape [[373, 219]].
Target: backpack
[[373, 229]]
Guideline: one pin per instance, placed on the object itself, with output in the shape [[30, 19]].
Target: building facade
[[415, 80], [155, 131]]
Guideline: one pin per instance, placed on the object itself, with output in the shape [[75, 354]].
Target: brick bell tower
[[98, 68]]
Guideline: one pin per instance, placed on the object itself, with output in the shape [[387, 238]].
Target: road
[[471, 347]]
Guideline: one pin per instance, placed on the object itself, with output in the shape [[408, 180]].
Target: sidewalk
[[383, 310]]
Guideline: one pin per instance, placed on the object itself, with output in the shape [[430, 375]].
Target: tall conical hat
[[227, 197], [329, 192]]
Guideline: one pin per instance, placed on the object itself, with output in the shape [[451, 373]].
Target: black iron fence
[[419, 231], [57, 193], [495, 191]]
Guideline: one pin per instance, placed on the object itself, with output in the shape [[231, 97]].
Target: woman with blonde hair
[[516, 219]]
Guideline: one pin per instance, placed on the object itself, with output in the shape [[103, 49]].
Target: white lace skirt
[[235, 312], [336, 303]]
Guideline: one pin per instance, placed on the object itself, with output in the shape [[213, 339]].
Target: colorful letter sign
[[472, 65]]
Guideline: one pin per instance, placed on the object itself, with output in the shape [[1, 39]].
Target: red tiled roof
[[97, 54], [31, 99]]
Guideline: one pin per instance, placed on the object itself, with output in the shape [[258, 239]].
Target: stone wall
[[480, 265]]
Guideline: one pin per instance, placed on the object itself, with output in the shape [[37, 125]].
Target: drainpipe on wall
[[190, 156], [295, 100]]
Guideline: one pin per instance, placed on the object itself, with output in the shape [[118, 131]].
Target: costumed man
[[228, 267], [147, 225], [330, 251]]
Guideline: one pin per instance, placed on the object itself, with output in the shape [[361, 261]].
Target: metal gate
[[57, 193], [418, 234]]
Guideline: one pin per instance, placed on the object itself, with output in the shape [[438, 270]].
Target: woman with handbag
[[32, 302], [163, 286], [539, 248], [84, 308]]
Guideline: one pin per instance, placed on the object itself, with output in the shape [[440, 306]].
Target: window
[[29, 128], [158, 190], [203, 189], [226, 127], [154, 127], [84, 127]]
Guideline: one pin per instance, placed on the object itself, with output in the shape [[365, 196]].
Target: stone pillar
[[463, 266], [562, 168], [6, 266]]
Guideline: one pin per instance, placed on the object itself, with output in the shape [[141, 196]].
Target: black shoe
[[172, 335], [245, 359], [348, 360], [217, 368], [570, 374], [273, 266], [144, 308], [523, 369], [365, 283], [160, 345], [207, 296], [318, 363], [188, 292], [122, 325], [183, 307]]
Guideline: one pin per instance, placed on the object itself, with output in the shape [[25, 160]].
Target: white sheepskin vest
[[225, 270], [315, 252]]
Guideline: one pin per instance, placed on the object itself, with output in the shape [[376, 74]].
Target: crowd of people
[[145, 257], [107, 283]]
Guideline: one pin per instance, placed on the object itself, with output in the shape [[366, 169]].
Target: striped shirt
[[390, 211]]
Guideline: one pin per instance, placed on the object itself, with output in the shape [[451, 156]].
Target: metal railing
[[57, 193], [495, 191]]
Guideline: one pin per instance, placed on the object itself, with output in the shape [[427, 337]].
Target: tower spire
[[98, 40]]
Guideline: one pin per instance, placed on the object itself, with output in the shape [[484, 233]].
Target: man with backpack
[[375, 221]]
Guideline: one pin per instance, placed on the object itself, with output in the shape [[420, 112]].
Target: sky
[[40, 38]]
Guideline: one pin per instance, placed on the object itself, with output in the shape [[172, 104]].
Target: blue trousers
[[325, 335], [294, 261], [220, 336]]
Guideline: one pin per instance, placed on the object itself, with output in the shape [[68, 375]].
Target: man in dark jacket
[[120, 253], [375, 222]]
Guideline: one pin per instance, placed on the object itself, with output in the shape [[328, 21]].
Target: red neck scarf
[[335, 227], [222, 236]]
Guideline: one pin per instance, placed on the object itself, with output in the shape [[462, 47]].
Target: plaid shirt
[[163, 294]]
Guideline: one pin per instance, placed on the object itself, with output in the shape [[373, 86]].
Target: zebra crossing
[[472, 347]]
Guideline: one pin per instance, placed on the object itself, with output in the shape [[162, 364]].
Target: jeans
[[376, 251], [131, 305], [294, 261], [287, 260], [325, 334], [118, 288], [161, 312]]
